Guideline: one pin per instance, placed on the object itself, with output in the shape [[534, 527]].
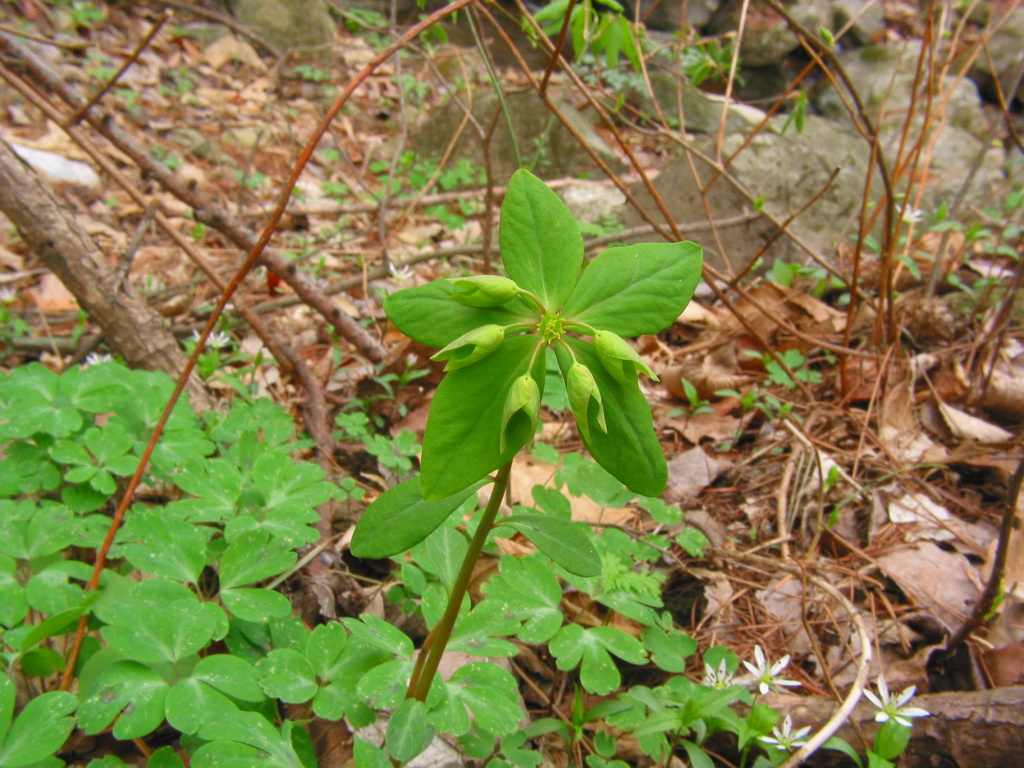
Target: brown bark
[[130, 326]]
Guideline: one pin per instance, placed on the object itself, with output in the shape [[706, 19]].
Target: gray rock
[[786, 170], [884, 76], [1006, 46], [766, 37], [288, 24], [668, 14], [866, 19], [542, 138], [702, 112], [591, 201]]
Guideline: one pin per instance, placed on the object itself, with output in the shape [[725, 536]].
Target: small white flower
[[893, 707], [7, 296], [767, 676], [785, 739], [95, 358], [400, 273], [913, 215], [217, 339], [720, 678]]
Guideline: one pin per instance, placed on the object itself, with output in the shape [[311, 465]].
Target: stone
[[1006, 46], [591, 201], [702, 112], [865, 17], [667, 15], [288, 24], [544, 143], [786, 169], [767, 38], [884, 76]]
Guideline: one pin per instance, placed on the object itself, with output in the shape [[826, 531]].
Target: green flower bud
[[620, 359], [583, 389], [483, 290], [523, 395], [471, 346]]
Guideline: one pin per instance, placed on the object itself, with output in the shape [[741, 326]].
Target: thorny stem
[[430, 656]]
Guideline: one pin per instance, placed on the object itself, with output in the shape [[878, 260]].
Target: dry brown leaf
[[691, 472], [1004, 395], [934, 579], [230, 48], [967, 427], [899, 431], [708, 374], [52, 296], [527, 471]]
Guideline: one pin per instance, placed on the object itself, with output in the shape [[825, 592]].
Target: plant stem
[[426, 665]]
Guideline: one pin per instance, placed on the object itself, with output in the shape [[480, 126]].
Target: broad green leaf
[[425, 313], [366, 755], [287, 675], [324, 649], [13, 604], [129, 686], [155, 544], [636, 289], [231, 675], [481, 631], [190, 703], [380, 634], [592, 648], [669, 650], [840, 745], [490, 694], [385, 685], [541, 245], [255, 604], [400, 519], [257, 744], [157, 622], [528, 588], [629, 450], [445, 550], [463, 435], [408, 733], [288, 485], [8, 695], [252, 557], [40, 730], [28, 531], [567, 543], [165, 757], [698, 757]]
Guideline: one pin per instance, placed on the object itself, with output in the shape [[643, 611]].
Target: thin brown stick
[[75, 116]]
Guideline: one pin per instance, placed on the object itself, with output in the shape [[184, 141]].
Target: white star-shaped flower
[[768, 675], [894, 707]]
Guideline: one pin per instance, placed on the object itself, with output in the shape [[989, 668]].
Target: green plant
[[312, 74], [707, 60], [596, 26], [494, 333], [794, 359]]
